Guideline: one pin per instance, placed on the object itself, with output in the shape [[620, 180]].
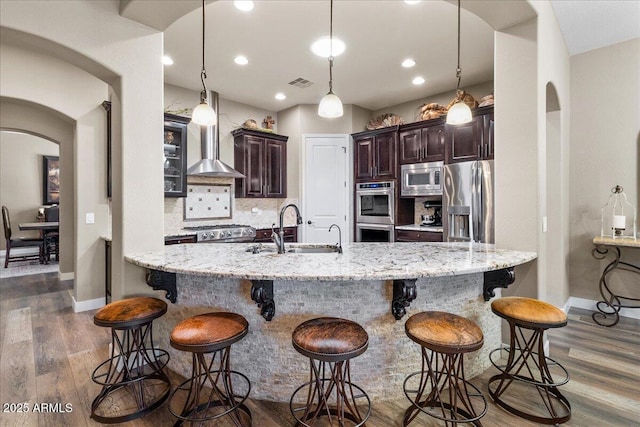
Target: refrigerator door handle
[[477, 204]]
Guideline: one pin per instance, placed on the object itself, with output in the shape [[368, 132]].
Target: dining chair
[[19, 242], [51, 237]]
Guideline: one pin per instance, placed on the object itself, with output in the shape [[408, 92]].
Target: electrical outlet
[[90, 218]]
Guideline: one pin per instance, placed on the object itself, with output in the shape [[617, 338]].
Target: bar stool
[[135, 369], [209, 394], [527, 367], [330, 343], [448, 337]]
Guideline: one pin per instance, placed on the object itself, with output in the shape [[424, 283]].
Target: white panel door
[[325, 190]]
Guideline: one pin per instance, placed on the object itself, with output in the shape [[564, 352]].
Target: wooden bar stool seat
[[133, 379], [447, 337], [527, 370], [330, 343], [211, 392]]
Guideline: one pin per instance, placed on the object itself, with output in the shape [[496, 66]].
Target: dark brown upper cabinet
[[422, 142], [175, 155], [375, 154], [473, 140], [262, 158]]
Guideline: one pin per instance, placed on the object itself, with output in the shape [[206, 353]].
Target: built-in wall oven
[[375, 211], [374, 233]]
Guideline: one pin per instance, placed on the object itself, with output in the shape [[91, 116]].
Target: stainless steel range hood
[[211, 165]]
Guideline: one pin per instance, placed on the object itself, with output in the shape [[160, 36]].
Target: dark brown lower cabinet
[[417, 236], [263, 235]]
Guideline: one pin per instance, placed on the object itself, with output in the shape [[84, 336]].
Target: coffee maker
[[432, 216]]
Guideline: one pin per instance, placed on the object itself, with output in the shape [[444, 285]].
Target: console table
[[612, 303]]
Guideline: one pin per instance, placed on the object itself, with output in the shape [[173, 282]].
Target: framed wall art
[[50, 180]]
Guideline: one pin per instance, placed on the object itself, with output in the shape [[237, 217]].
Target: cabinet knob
[[309, 222]]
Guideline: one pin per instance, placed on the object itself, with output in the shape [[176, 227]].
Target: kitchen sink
[[315, 249], [298, 249]]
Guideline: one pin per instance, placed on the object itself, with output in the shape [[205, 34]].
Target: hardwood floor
[[48, 354]]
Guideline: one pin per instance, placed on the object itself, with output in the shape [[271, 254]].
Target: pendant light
[[203, 114], [459, 112], [330, 106]]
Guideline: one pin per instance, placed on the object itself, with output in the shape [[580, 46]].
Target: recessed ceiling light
[[244, 6], [408, 63], [166, 60], [322, 47], [412, 1], [241, 60], [280, 96], [418, 80]]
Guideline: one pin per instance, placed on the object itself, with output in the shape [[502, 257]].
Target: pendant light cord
[[331, 48], [203, 73], [458, 70]]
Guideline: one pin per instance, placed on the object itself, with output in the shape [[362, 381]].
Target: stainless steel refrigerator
[[468, 202]]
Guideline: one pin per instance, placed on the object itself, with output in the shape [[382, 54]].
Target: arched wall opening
[[21, 176], [517, 133], [35, 122], [124, 55]]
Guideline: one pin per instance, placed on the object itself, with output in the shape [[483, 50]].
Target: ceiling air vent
[[301, 83]]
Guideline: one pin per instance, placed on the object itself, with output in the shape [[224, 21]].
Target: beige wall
[[289, 124], [21, 177], [605, 139], [553, 130], [90, 197], [516, 160]]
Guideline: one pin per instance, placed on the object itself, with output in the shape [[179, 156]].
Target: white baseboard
[[588, 304], [66, 276], [91, 304]]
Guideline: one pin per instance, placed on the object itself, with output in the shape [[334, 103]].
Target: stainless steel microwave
[[422, 179]]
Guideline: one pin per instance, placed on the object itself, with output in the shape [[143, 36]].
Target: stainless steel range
[[225, 233]]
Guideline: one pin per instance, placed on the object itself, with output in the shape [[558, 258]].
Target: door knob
[[309, 222]]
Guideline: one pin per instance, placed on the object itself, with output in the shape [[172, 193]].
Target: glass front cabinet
[[175, 155]]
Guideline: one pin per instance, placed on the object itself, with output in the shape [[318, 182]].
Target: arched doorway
[[555, 206], [29, 131]]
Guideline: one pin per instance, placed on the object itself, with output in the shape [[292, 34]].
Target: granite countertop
[[360, 261], [609, 241], [418, 227]]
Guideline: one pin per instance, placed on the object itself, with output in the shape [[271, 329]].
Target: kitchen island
[[375, 284]]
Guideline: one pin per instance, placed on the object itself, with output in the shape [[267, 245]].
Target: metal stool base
[[449, 397], [330, 382], [135, 371], [210, 388], [530, 368]]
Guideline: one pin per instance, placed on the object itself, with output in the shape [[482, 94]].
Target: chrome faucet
[[339, 236], [278, 238]]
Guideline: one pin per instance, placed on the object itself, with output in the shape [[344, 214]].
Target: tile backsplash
[[259, 213], [420, 209]]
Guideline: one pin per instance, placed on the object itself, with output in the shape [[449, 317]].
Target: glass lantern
[[618, 219]]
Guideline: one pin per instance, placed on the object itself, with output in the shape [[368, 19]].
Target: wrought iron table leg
[[611, 303]]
